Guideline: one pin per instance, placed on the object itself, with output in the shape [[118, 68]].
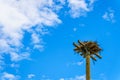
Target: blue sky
[[36, 39]]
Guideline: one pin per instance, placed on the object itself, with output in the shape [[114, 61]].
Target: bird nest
[[89, 46]]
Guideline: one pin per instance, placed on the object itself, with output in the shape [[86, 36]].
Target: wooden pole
[[87, 67], [85, 53]]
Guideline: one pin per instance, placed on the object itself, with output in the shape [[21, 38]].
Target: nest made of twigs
[[91, 46]]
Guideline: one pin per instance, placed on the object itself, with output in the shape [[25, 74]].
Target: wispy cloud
[[61, 79], [8, 76], [81, 77], [18, 16], [75, 63], [109, 15], [74, 29], [80, 7], [14, 65], [31, 76], [17, 57]]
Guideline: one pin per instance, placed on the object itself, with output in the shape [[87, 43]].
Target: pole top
[[87, 48]]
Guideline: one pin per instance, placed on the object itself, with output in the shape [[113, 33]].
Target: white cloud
[[61, 79], [14, 65], [109, 15], [75, 78], [80, 7], [8, 76], [31, 76], [79, 78], [79, 63], [17, 57], [75, 63], [74, 29], [37, 40], [83, 77], [18, 16]]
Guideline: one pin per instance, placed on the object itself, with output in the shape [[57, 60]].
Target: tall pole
[[87, 50], [87, 67]]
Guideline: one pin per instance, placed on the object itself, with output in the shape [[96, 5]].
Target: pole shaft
[[87, 67]]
